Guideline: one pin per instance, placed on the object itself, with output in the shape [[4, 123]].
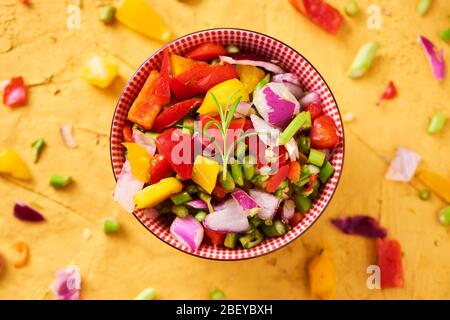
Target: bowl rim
[[310, 64]]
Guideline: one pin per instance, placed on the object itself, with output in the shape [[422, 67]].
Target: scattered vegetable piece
[[424, 194], [351, 8], [108, 14], [100, 72], [348, 117], [156, 193], [389, 259], [15, 93], [423, 6], [11, 163], [23, 254], [146, 294], [60, 181], [437, 183], [139, 16], [445, 35], [389, 93], [206, 52], [217, 294], [110, 225], [360, 225], [435, 60], [437, 123], [127, 186], [25, 212], [322, 276], [444, 216], [188, 231], [403, 166], [321, 13], [67, 136], [38, 145], [67, 284], [363, 60]]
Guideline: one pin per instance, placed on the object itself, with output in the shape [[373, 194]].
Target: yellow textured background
[[35, 43]]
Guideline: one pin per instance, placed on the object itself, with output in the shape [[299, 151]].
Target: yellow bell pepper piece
[[180, 64], [156, 193], [437, 183], [11, 163], [140, 161], [322, 276], [250, 76], [139, 16], [100, 72], [223, 92], [204, 173]]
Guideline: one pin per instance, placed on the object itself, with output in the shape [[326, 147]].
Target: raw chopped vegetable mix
[[235, 159]]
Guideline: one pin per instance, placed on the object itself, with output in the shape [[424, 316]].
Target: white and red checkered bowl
[[291, 61]]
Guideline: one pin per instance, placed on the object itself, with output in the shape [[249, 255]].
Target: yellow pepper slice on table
[[223, 91], [11, 163], [139, 16], [100, 72], [23, 253], [140, 161], [250, 76], [204, 173], [322, 276], [437, 183], [156, 193]]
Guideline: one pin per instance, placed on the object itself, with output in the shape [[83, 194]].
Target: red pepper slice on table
[[200, 79], [275, 180], [175, 113], [217, 238], [177, 148], [324, 134], [321, 13], [389, 259], [160, 168], [389, 93], [15, 93], [206, 52]]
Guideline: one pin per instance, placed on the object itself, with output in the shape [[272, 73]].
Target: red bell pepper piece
[[15, 93], [127, 132], [175, 113], [315, 110], [389, 259], [389, 93], [219, 192], [200, 79], [147, 104], [206, 52], [160, 168], [324, 133], [294, 171], [276, 179], [321, 13], [162, 91], [295, 220], [177, 148], [217, 238]]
